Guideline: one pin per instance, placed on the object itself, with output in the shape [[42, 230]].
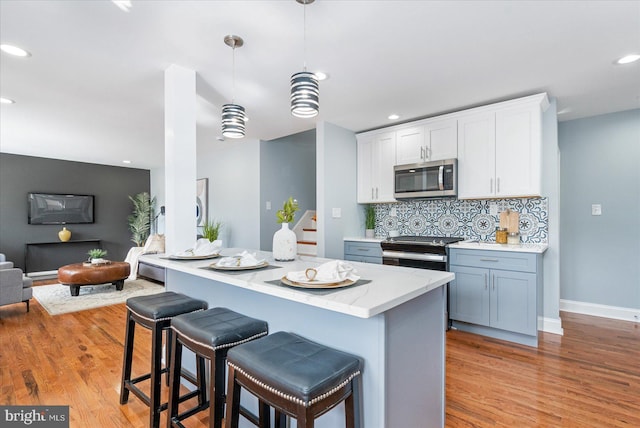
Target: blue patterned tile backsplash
[[469, 219]]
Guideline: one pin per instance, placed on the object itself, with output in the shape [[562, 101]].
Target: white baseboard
[[605, 311], [550, 325], [42, 273]]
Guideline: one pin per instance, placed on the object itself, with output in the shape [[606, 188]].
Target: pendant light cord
[[304, 37], [233, 74]]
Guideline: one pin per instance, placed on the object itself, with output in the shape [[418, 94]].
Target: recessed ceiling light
[[123, 4], [321, 75], [628, 59], [6, 101], [393, 117], [14, 50], [126, 161]]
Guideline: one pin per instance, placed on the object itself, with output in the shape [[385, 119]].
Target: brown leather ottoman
[[79, 274]]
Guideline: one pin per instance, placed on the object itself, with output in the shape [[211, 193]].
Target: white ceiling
[[92, 90]]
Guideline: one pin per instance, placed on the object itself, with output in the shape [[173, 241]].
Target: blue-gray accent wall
[[600, 164], [287, 168]]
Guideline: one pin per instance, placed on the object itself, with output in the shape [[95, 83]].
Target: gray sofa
[[14, 286]]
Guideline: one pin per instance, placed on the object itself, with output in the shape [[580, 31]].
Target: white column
[[180, 158]]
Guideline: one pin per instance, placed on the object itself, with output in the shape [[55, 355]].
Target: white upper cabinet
[[376, 158], [476, 156], [410, 147], [519, 151], [500, 149], [432, 140]]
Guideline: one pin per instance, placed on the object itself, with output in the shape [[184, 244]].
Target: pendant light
[[305, 91], [233, 116]]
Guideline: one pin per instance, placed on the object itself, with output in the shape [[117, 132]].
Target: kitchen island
[[394, 318]]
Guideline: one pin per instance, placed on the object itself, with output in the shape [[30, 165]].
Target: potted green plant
[[288, 211], [141, 218], [369, 221], [285, 242], [96, 255], [211, 229]]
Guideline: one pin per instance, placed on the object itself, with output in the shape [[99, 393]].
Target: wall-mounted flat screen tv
[[47, 208]]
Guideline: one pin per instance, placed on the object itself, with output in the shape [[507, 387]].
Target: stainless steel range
[[424, 252]]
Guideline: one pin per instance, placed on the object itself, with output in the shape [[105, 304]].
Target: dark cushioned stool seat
[[293, 374], [162, 306], [210, 334], [155, 312]]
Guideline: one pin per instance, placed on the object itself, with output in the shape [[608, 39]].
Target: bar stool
[[210, 334], [296, 376], [155, 312]]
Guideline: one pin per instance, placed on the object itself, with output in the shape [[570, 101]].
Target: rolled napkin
[[243, 259], [203, 247], [333, 271]]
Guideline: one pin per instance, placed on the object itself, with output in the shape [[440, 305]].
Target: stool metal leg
[[128, 357]]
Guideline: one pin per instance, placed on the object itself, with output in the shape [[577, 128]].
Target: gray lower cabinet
[[496, 293], [362, 251]]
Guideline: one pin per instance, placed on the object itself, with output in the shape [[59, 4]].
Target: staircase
[[306, 233]]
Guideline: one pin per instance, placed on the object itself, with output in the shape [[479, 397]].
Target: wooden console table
[[47, 256]]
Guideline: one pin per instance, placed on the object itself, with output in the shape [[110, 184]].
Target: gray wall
[[337, 161], [600, 164], [111, 186], [287, 168]]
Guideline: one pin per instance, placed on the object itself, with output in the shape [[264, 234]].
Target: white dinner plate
[[258, 266], [316, 284], [202, 257]]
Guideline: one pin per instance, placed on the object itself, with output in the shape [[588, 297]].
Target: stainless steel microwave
[[437, 179]]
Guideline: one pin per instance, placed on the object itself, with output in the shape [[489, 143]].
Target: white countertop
[[492, 246], [390, 286]]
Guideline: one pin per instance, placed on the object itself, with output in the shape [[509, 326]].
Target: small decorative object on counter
[[501, 235], [513, 238], [64, 234], [285, 241]]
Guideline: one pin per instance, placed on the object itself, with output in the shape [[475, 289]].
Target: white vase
[[285, 244], [369, 233]]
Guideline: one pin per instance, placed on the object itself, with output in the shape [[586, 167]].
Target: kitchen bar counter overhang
[[395, 323]]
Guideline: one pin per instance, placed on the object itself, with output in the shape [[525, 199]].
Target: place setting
[[331, 275], [240, 262], [202, 250]]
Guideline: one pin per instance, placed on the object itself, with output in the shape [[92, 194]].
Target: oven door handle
[[414, 256]]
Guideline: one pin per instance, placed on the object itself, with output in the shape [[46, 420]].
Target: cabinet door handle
[[421, 152], [493, 281], [498, 185], [376, 193], [488, 260], [427, 153], [363, 249], [485, 282]]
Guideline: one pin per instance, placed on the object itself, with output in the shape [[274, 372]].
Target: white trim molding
[[550, 325], [597, 310]]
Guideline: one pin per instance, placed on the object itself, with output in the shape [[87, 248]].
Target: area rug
[[57, 299]]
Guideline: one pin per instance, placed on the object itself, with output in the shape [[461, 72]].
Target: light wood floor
[[590, 377]]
